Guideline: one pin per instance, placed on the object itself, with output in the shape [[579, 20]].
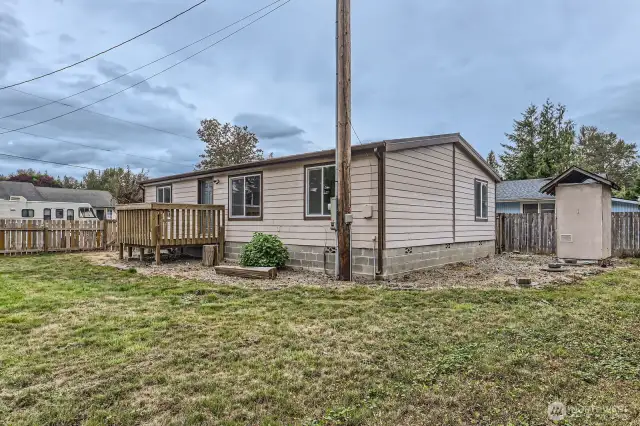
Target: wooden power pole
[[343, 139]]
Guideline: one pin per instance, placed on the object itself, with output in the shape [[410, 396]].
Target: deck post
[[129, 252], [121, 251], [141, 254], [155, 237]]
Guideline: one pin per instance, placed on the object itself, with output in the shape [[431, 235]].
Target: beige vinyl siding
[[467, 229], [419, 196], [283, 205], [182, 192]]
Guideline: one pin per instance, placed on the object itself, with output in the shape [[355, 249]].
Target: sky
[[418, 68]]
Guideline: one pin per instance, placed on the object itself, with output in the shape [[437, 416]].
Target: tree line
[[122, 183], [544, 143]]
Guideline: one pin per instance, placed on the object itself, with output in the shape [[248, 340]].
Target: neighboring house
[[524, 196], [416, 203], [102, 202]]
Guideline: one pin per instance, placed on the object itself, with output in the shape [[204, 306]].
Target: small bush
[[264, 250]]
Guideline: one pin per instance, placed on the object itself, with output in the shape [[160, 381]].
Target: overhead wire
[[152, 76], [143, 66], [104, 51], [48, 162]]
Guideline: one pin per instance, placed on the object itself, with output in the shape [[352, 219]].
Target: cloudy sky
[[419, 68]]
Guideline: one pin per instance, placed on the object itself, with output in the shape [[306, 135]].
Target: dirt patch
[[496, 272]]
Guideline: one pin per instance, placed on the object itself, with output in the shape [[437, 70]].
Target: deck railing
[[167, 225]]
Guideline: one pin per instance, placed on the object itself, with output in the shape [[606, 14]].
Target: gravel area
[[497, 272]]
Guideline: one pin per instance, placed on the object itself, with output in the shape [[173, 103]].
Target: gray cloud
[[65, 38], [13, 42], [112, 70], [267, 127]]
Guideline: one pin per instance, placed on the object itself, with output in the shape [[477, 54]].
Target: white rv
[[19, 208]]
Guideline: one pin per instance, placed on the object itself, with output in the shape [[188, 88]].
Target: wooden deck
[[158, 226]]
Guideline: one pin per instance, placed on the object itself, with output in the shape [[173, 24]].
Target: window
[[547, 208], [100, 214], [86, 212], [69, 214], [163, 194], [529, 207], [46, 213], [59, 213], [245, 196], [481, 200], [320, 188], [28, 213]]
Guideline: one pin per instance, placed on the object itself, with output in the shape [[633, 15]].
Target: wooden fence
[[24, 236], [535, 233]]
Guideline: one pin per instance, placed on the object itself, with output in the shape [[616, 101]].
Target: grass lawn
[[88, 344]]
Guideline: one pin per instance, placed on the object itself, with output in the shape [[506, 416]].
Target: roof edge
[[549, 188]]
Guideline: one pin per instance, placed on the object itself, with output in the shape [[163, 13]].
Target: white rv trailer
[[19, 208]]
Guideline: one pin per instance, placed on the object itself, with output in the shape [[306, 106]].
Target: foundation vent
[[408, 250], [566, 238]]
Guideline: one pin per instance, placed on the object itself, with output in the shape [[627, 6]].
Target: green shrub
[[264, 250]]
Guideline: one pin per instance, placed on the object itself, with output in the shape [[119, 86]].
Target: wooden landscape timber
[[253, 272]]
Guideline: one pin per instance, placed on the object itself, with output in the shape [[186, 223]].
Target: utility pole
[[343, 137]]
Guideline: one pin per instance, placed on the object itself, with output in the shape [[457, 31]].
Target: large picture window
[[320, 187], [245, 197], [163, 194], [481, 200]]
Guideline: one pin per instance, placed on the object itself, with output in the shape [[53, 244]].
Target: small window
[[59, 213], [245, 196], [46, 213], [548, 207], [481, 200], [530, 208], [321, 187], [163, 194], [86, 213], [70, 214], [28, 213]]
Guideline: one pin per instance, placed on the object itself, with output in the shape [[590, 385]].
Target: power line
[[96, 147], [150, 77], [145, 65], [354, 131], [48, 162], [98, 113], [104, 51]]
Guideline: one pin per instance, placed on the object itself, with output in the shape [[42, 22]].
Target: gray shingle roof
[[96, 198], [19, 189], [528, 189]]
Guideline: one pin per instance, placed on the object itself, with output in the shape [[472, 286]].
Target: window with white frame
[[163, 194], [245, 195], [320, 188], [529, 208], [481, 199]]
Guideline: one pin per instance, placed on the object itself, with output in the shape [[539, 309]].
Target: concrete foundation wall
[[397, 261]]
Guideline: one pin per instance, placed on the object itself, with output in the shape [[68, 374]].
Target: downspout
[[379, 152]]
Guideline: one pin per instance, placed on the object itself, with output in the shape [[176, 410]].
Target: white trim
[[244, 201], [539, 203], [475, 210]]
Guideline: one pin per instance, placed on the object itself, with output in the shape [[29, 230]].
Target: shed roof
[[526, 189], [19, 189], [576, 175], [98, 199]]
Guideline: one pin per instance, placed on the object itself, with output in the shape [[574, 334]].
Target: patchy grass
[[88, 344]]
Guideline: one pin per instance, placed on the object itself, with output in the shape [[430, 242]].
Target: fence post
[[45, 246]]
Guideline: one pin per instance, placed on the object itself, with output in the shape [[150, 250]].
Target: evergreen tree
[[519, 157], [492, 161], [555, 141]]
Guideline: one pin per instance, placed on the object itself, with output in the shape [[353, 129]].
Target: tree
[[606, 152], [123, 184], [492, 161], [519, 158], [227, 144], [555, 141], [70, 182], [37, 178]]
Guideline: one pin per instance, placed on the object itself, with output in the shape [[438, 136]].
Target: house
[[102, 202], [525, 196], [583, 215], [416, 203]]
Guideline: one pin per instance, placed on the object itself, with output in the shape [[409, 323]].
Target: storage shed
[[583, 214]]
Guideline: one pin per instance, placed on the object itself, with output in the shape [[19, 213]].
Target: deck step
[[247, 272]]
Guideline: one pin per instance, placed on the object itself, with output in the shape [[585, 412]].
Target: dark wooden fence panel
[[535, 233]]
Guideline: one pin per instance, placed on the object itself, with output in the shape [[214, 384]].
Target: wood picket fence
[[535, 233], [25, 236]]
